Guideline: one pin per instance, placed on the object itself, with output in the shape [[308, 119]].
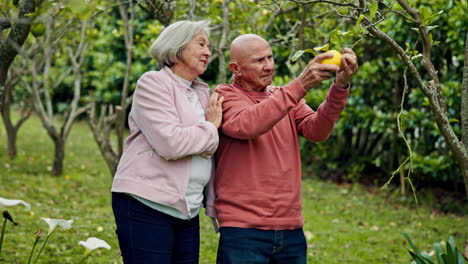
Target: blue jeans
[[256, 246], [147, 236]]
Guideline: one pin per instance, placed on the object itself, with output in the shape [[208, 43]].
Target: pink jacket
[[165, 133]]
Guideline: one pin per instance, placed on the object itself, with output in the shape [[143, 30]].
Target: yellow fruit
[[335, 60]]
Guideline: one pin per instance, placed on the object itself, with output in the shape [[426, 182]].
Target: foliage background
[[365, 144]]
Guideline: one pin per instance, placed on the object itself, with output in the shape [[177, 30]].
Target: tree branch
[[223, 42], [430, 91], [77, 59], [464, 110], [128, 19], [396, 12], [324, 1], [426, 62]]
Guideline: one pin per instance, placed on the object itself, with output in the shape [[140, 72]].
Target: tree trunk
[[112, 161], [464, 116], [19, 32], [465, 175], [3, 73], [114, 119], [101, 128], [5, 109], [11, 136], [222, 43], [59, 156], [9, 127]]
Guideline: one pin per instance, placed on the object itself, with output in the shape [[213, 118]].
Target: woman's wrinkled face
[[194, 57]]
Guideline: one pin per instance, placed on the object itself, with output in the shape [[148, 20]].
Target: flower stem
[[3, 234], [32, 250], [42, 247], [84, 258]]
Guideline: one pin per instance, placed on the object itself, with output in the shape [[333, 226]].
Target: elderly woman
[[157, 191]]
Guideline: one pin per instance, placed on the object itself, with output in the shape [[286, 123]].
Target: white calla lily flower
[[53, 223], [7, 202], [93, 243]]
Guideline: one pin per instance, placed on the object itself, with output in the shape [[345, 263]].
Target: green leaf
[[299, 53], [460, 259], [408, 47], [310, 51], [427, 16], [417, 257], [396, 6], [444, 258], [425, 13], [416, 57], [325, 47], [361, 17], [77, 6], [335, 37], [416, 250], [429, 28], [451, 251], [439, 253], [356, 30], [436, 14], [373, 9], [80, 8], [427, 258]]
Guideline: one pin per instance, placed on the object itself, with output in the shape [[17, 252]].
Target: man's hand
[[315, 72], [349, 65]]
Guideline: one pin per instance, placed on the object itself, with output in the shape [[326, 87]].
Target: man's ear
[[234, 68]]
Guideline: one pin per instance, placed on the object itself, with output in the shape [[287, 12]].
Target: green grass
[[343, 224]]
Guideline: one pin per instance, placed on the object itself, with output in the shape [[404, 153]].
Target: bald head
[[244, 45], [252, 62]]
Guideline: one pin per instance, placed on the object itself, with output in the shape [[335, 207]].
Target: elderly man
[[258, 169]]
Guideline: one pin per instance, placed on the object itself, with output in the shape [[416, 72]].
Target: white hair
[[167, 48]]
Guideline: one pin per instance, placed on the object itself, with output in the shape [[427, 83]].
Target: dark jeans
[[147, 236], [256, 246]]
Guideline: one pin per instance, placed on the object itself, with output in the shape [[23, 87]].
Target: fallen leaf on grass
[[362, 223]]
